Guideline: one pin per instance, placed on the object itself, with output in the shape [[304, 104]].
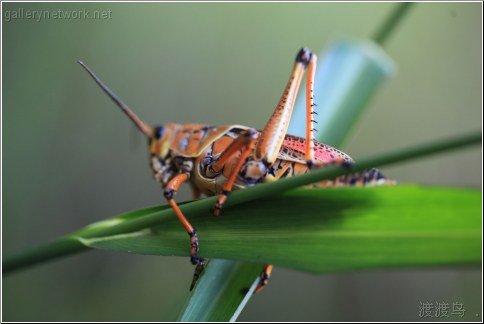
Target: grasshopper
[[216, 160]]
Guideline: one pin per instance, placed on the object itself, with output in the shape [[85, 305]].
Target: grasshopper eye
[[159, 131]]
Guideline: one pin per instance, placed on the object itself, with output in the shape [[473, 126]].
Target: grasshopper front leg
[[170, 191]]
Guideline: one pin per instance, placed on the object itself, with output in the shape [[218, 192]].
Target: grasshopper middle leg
[[244, 142]]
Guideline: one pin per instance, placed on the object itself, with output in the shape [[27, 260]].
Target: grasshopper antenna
[[142, 126]]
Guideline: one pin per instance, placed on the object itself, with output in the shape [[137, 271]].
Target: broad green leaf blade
[[321, 230], [218, 295]]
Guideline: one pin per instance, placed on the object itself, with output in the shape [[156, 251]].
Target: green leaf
[[321, 230], [129, 223]]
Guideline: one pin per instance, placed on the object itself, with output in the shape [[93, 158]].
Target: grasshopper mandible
[[216, 160]]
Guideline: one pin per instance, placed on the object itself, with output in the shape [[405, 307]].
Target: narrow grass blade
[[246, 299], [392, 21], [221, 291]]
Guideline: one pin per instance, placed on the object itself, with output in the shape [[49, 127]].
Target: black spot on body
[[159, 132], [271, 171]]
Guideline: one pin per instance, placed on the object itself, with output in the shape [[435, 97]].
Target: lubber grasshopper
[[215, 160]]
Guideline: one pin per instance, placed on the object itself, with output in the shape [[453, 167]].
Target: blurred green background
[[70, 158]]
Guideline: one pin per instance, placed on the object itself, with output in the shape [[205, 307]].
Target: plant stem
[[71, 244], [391, 22], [60, 247]]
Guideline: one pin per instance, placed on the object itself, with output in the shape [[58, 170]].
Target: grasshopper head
[[159, 147], [159, 142]]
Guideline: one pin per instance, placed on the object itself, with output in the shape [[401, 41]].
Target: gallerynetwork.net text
[[39, 15]]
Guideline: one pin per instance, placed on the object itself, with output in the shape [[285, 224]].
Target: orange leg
[[310, 111], [170, 191], [245, 142], [274, 132], [264, 277]]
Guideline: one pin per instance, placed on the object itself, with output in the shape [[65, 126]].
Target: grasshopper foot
[[200, 266]]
